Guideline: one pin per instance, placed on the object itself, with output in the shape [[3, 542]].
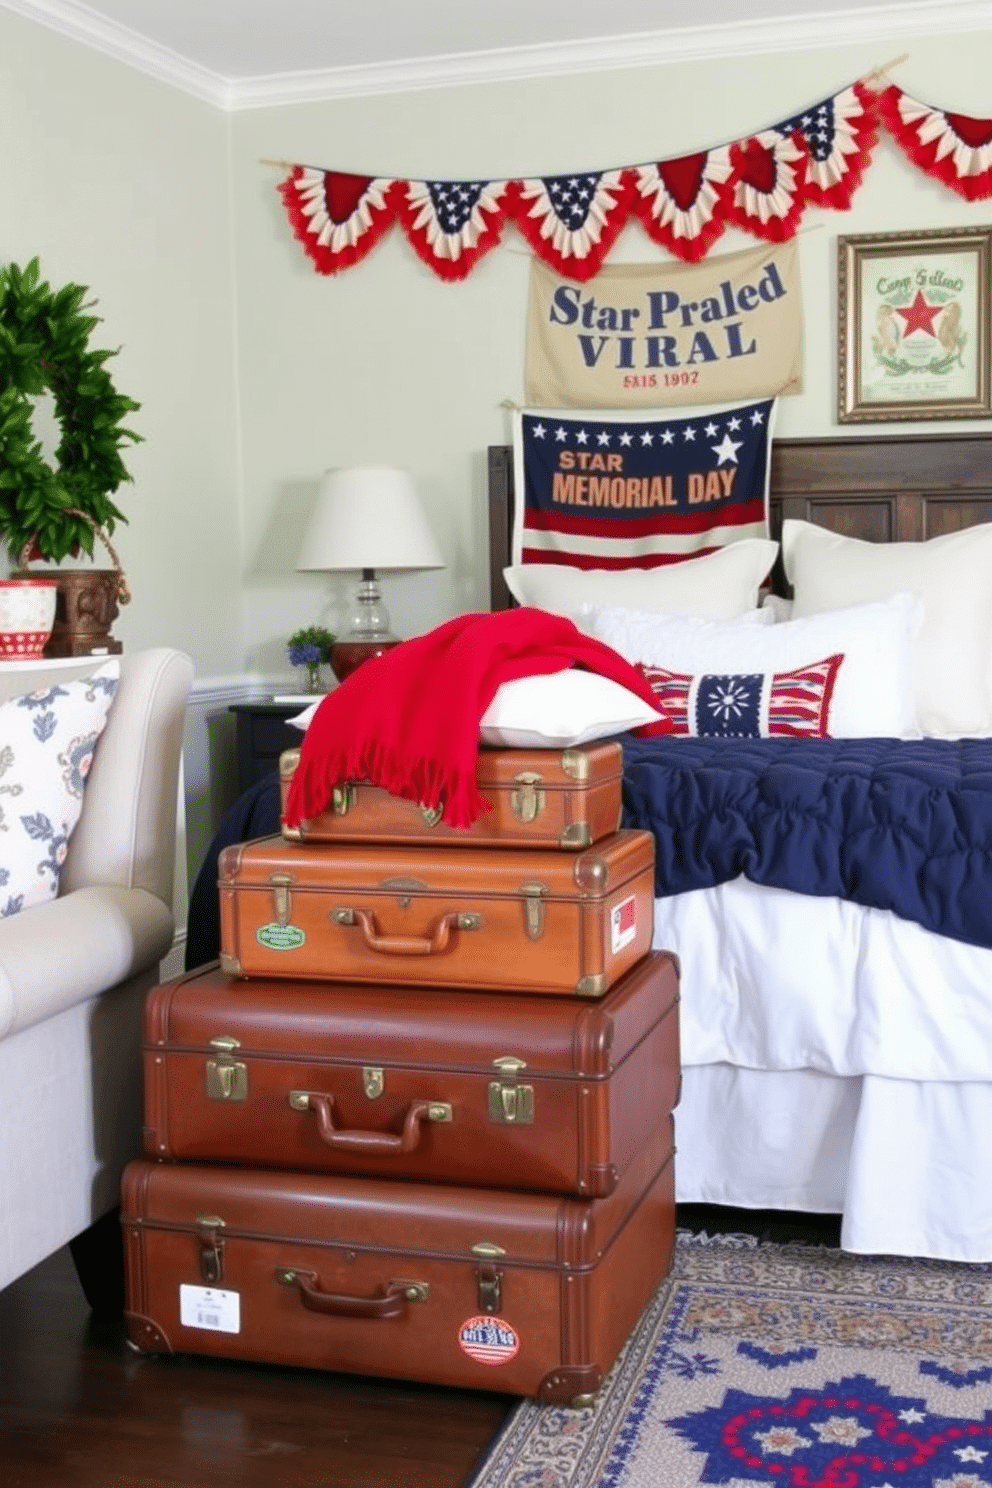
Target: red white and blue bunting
[[761, 184], [953, 148]]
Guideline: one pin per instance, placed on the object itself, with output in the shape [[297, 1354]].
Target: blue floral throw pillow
[[46, 749]]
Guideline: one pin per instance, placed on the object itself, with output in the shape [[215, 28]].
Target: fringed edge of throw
[[454, 791]]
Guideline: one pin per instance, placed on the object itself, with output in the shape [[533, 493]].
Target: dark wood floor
[[78, 1409]]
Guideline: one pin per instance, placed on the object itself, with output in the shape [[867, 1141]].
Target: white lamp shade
[[368, 516]]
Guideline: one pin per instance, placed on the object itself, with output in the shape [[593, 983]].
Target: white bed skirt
[[908, 1165], [836, 1060]]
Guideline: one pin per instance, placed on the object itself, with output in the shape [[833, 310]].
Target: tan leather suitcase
[[532, 1294], [498, 919], [548, 1093], [538, 798]]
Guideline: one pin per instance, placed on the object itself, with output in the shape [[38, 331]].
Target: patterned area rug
[[780, 1364]]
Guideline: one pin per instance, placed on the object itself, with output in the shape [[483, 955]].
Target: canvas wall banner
[[667, 335]]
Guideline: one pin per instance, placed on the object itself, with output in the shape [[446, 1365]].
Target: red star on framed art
[[918, 315]]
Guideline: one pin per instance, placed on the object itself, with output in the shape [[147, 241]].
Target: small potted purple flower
[[310, 648]]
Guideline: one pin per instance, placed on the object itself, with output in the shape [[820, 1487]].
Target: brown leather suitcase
[[498, 919], [538, 797], [548, 1093], [532, 1294]]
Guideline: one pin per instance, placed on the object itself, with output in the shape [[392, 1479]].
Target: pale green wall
[[385, 362], [120, 183], [255, 373]]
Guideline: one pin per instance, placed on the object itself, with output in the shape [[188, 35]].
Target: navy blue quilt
[[903, 825]]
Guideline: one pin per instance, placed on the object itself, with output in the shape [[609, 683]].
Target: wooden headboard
[[894, 488]]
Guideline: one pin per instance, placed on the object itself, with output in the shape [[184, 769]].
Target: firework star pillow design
[[748, 705], [47, 740]]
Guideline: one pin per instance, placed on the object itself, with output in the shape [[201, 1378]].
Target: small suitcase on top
[[549, 1093], [494, 919], [529, 1293], [549, 798]]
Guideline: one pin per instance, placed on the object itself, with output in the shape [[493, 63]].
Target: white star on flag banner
[[768, 184], [572, 222], [606, 490], [336, 216], [839, 135], [451, 224], [682, 203], [953, 148]]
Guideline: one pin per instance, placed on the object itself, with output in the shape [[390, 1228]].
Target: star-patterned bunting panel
[[572, 222], [600, 490], [451, 224], [762, 184], [839, 136]]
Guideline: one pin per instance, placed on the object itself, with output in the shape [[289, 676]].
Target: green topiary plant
[[51, 510]]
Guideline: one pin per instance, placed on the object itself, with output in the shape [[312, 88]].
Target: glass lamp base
[[347, 655]]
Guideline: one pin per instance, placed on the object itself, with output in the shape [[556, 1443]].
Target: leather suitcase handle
[[391, 1302], [356, 1140], [407, 945]]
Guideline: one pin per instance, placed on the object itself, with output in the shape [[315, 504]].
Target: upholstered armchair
[[74, 969]]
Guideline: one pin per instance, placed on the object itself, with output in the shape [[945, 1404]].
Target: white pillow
[[718, 585], [556, 710], [873, 693], [640, 635], [779, 608], [952, 575], [46, 749], [302, 720], [561, 709]]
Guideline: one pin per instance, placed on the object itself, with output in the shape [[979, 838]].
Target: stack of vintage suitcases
[[418, 1121]]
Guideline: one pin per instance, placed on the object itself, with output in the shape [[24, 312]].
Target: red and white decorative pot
[[27, 614]]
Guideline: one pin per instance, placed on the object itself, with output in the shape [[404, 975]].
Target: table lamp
[[366, 518]]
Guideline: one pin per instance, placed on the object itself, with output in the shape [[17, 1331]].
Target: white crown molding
[[807, 33], [647, 49], [81, 24]]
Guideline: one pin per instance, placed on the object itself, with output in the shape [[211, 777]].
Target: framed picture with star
[[913, 325]]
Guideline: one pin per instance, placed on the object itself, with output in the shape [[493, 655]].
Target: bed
[[838, 1054]]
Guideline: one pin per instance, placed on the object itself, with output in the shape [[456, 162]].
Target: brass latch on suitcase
[[343, 798], [489, 1280], [534, 908], [211, 1248], [227, 1078], [373, 1081], [510, 1104], [527, 800], [280, 892]]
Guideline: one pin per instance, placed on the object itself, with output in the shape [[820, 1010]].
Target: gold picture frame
[[913, 325]]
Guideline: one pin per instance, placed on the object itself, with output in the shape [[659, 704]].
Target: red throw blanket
[[408, 720]]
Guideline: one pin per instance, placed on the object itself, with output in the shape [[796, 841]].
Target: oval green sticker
[[280, 937]]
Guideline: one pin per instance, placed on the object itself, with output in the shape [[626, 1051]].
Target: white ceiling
[[249, 52]]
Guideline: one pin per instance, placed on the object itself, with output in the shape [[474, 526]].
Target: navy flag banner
[[606, 490]]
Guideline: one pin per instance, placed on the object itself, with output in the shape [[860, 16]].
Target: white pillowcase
[[640, 635], [951, 575], [556, 710], [717, 586], [47, 739], [561, 709], [873, 695]]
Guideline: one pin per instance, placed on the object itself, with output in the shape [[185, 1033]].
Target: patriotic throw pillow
[[748, 705]]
